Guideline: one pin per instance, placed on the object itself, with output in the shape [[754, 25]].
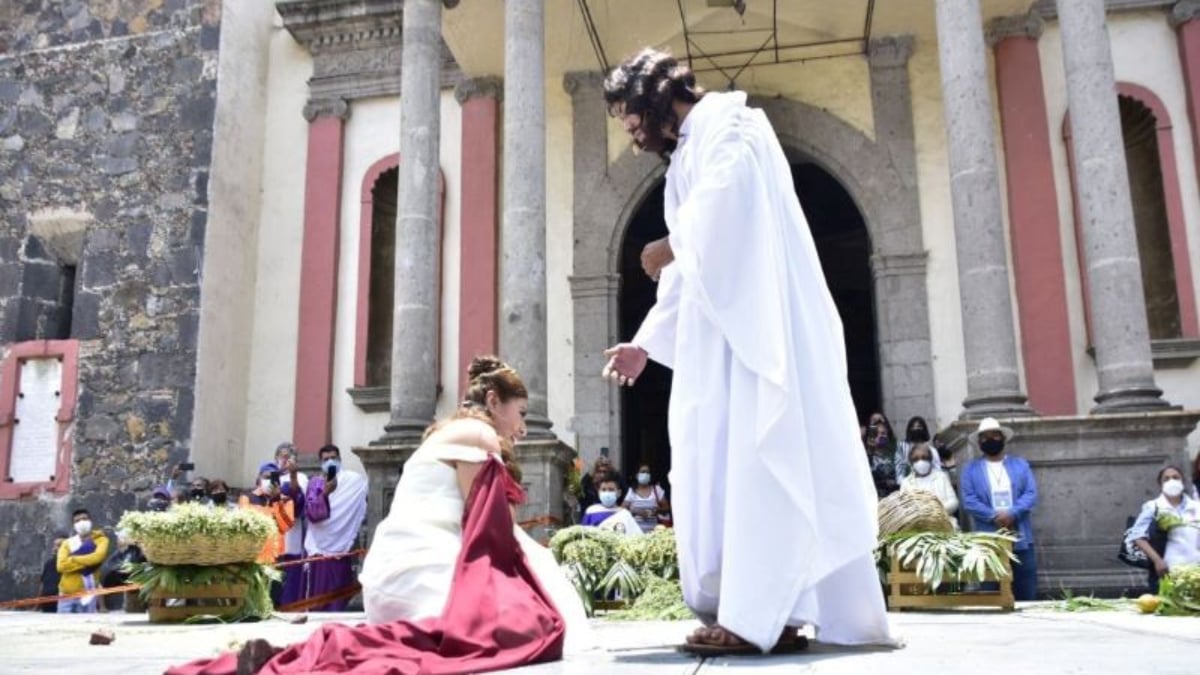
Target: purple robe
[[330, 533]]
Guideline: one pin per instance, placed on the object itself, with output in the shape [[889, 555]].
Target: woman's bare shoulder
[[470, 432]]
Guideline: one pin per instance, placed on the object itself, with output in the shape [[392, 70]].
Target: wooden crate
[[217, 600], [906, 590]]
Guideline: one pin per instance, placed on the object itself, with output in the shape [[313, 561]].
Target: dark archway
[[844, 248]]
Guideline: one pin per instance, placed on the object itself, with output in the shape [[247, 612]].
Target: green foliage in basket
[[178, 579], [662, 600], [602, 563], [1180, 591], [936, 556], [185, 522]]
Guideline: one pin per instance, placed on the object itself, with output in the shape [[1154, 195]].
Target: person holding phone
[[293, 483], [336, 503], [268, 498]]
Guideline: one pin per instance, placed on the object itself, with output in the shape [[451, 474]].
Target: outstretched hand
[[625, 363]]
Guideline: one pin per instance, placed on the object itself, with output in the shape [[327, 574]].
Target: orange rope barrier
[[319, 558], [323, 599], [45, 599]]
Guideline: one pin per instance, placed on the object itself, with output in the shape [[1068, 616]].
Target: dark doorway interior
[[844, 248]]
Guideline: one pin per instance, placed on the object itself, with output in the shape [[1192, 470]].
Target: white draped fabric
[[409, 568], [775, 510], [347, 507]]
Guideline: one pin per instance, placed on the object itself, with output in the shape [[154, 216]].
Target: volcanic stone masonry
[[106, 119]]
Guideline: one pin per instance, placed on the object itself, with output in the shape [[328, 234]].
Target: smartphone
[[274, 478], [187, 466], [331, 472], [604, 452]]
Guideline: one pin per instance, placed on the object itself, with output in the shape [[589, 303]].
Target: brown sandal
[[727, 643]]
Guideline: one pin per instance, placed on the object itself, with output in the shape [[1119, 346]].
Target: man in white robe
[[775, 510]]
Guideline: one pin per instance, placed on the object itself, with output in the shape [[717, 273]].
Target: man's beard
[[655, 142]]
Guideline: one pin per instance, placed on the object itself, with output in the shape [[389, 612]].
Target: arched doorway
[[844, 248]]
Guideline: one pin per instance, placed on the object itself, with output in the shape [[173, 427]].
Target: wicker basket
[[912, 511], [203, 550]]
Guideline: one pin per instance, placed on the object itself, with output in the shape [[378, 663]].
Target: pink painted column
[[1033, 217], [477, 330], [312, 425], [1184, 17]]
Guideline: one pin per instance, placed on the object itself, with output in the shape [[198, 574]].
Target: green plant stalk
[[178, 579]]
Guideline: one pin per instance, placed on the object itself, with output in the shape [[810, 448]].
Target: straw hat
[[989, 424]]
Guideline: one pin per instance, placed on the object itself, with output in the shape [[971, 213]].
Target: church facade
[[300, 221]]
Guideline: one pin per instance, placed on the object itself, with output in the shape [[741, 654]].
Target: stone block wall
[[106, 119]]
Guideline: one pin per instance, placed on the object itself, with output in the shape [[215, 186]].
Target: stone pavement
[[1034, 639]]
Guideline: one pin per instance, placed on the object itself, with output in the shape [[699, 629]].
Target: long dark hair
[[647, 84]]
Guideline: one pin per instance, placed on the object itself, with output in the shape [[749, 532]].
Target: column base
[[1130, 399], [1093, 472], [999, 404], [544, 467], [537, 428], [383, 463], [404, 431]]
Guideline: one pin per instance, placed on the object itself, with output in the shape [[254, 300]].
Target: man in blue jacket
[[999, 492]]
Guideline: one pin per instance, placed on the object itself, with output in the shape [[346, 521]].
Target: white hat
[[990, 424]]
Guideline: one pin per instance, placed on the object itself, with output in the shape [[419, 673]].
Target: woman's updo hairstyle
[[488, 373]]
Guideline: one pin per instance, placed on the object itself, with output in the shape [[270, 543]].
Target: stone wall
[[106, 118]]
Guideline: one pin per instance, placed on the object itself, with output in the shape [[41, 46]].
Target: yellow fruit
[[1148, 604]]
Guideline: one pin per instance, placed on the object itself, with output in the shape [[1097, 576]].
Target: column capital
[[892, 51], [487, 86], [1183, 11], [580, 81], [1021, 26], [326, 107]]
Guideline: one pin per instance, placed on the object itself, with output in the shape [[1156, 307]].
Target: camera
[[274, 478]]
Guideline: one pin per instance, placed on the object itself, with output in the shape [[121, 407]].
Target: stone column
[[993, 381], [480, 100], [1033, 216], [1121, 333], [312, 409], [523, 228], [898, 260], [415, 314]]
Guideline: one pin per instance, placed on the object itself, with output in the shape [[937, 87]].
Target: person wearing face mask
[[602, 467], [294, 484], [925, 476], [79, 559], [915, 433], [335, 506], [609, 513], [160, 499], [218, 495], [647, 501], [881, 457], [269, 499], [1000, 492], [1183, 542]]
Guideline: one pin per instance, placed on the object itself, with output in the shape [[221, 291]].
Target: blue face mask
[[608, 498]]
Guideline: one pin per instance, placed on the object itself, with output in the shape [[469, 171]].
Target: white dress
[[408, 570]]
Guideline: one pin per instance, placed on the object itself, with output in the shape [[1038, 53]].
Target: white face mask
[[922, 467], [643, 478], [608, 498], [265, 484], [83, 527], [1173, 488]]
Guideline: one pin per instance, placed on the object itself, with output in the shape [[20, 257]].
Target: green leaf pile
[[179, 579], [1180, 591], [643, 570], [938, 556]]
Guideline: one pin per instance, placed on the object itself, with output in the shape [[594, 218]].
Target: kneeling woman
[[450, 584], [409, 571]]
